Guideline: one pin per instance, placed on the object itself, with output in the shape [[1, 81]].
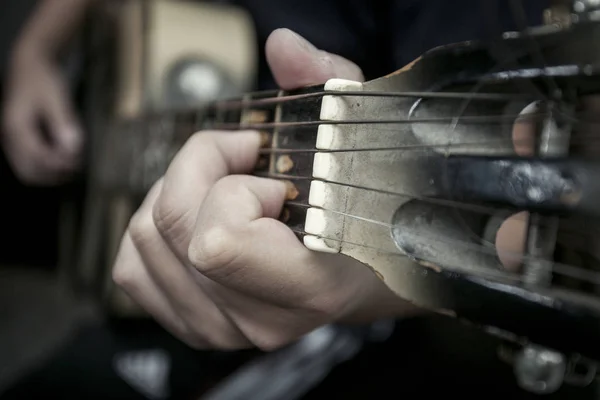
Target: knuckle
[[212, 249], [140, 227], [230, 185], [169, 218], [122, 275], [201, 139]]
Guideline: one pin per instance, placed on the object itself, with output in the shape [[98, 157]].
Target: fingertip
[[295, 62], [285, 36], [254, 138], [271, 193]]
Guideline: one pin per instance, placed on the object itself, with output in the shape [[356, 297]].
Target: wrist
[[376, 302]]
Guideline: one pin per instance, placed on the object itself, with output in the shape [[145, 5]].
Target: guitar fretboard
[[138, 151]]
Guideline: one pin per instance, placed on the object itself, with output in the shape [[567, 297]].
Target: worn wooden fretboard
[[138, 151]]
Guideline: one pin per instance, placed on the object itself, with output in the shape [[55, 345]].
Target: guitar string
[[521, 117], [558, 268], [165, 115], [515, 8], [523, 256], [454, 204], [252, 102], [499, 274], [518, 12], [244, 103], [432, 200], [557, 114], [567, 226], [479, 119], [583, 139], [409, 121], [571, 271]]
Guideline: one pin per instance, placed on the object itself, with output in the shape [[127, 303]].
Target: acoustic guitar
[[414, 174], [145, 56]]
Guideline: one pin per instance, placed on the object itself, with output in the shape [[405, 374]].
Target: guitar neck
[[145, 145]]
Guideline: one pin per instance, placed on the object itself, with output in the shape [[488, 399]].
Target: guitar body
[[165, 55]]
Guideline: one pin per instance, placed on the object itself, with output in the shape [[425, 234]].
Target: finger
[[30, 157], [202, 317], [237, 243], [266, 325], [203, 160], [296, 63], [130, 275], [63, 125]]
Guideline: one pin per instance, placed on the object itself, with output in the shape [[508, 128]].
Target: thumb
[[297, 63]]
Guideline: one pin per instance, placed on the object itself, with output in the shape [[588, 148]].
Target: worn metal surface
[[375, 204]]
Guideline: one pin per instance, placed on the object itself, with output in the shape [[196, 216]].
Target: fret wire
[[275, 138]]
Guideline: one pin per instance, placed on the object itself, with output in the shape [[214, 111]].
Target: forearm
[[52, 24]]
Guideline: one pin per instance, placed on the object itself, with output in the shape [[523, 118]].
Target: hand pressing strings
[[207, 257]]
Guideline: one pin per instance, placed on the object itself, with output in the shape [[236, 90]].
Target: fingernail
[[291, 191]]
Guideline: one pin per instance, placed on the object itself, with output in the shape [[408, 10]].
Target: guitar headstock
[[415, 175]]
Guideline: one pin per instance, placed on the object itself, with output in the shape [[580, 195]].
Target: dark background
[[28, 215]]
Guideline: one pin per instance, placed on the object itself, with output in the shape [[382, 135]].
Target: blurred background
[[65, 332]]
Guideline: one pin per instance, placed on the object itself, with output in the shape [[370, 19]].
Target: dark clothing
[[382, 36]]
